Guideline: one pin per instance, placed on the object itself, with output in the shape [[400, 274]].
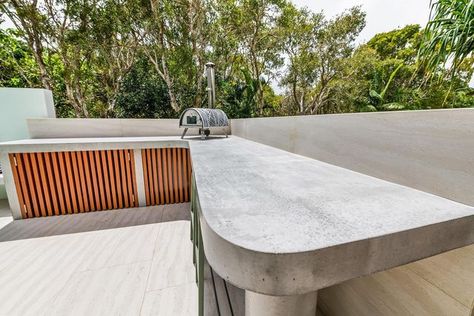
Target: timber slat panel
[[70, 179], [77, 182], [159, 161], [64, 181], [175, 175], [123, 179], [44, 184], [179, 175], [82, 181], [164, 154], [31, 185], [18, 186], [145, 178], [170, 176], [60, 183], [105, 176], [112, 179], [118, 182], [100, 180], [166, 175], [57, 183], [129, 177], [52, 189], [153, 182], [38, 185], [185, 178], [87, 175], [134, 178]]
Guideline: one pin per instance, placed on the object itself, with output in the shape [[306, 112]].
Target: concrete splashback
[[428, 150], [74, 128]]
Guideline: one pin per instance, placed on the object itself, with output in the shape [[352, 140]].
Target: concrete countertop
[[282, 224]]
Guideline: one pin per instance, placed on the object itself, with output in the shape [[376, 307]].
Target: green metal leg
[[198, 249]]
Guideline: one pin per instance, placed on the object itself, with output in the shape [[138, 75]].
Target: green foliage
[[143, 94], [384, 76], [400, 43], [449, 35], [17, 66]]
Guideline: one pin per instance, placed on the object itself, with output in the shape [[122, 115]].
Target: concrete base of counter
[[265, 305]]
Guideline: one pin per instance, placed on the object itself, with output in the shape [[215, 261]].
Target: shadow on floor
[[5, 208], [77, 223]]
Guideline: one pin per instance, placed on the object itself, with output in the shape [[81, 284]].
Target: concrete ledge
[[77, 128]]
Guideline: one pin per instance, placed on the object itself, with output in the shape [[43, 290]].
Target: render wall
[[16, 105], [429, 150], [71, 128]]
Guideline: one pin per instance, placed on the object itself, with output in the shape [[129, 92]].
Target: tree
[[449, 36], [17, 65], [316, 51], [145, 58], [143, 93], [383, 76], [173, 37], [92, 40]]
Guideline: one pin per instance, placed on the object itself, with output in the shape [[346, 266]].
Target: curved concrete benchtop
[[277, 223]]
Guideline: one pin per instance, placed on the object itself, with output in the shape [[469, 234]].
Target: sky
[[382, 15]]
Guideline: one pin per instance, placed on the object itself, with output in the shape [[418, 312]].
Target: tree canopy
[[145, 58]]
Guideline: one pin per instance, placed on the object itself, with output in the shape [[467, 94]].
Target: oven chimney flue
[[211, 85]]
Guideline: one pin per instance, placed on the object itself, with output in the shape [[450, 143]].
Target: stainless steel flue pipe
[[211, 85]]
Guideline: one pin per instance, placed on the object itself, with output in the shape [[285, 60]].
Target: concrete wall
[[428, 150], [16, 105], [70, 128]]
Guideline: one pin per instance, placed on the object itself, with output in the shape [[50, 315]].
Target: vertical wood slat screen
[[57, 183], [167, 175]]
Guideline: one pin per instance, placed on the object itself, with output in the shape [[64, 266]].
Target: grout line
[[114, 266], [151, 264], [435, 286], [170, 287]]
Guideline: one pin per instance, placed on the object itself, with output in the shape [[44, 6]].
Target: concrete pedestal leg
[[264, 305]]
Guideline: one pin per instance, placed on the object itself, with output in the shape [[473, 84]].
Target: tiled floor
[[124, 262], [5, 215]]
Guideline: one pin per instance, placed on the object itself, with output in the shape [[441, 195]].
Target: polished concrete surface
[[124, 262], [290, 225]]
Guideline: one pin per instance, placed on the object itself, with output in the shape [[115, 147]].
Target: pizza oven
[[205, 119]]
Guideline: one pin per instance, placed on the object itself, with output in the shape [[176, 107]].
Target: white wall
[[18, 104], [70, 128], [428, 150]]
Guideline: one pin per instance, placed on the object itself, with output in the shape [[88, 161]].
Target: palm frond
[[449, 34]]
